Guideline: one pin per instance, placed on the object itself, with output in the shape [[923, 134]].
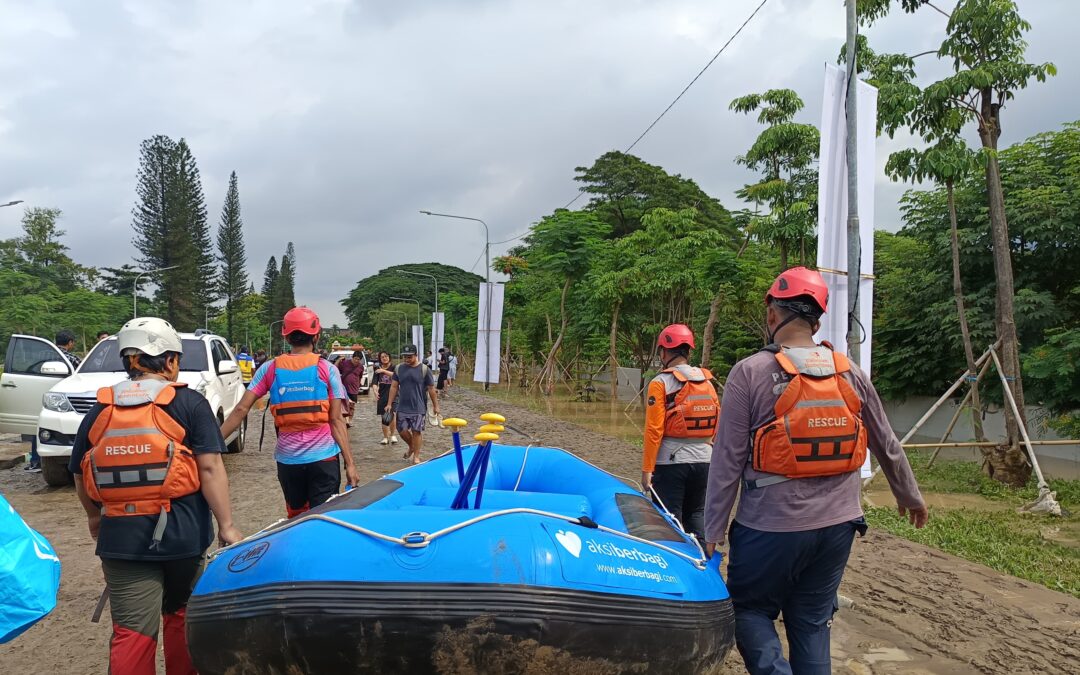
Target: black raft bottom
[[294, 629]]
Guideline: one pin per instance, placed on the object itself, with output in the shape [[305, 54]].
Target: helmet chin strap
[[789, 319]]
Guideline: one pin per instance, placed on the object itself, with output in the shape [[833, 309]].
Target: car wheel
[[55, 472], [237, 444]]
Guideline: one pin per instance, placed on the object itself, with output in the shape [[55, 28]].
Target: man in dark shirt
[[65, 340], [411, 381], [151, 561]]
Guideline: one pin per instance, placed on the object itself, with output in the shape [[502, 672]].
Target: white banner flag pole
[[488, 333]]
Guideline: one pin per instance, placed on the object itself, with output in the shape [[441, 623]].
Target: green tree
[[232, 257], [370, 293], [171, 229], [625, 188], [269, 295], [984, 40], [562, 244], [42, 252], [784, 153], [284, 297]]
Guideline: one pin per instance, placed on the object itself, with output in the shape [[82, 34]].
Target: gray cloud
[[343, 119]]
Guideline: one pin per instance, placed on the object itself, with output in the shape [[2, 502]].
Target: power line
[[685, 89], [477, 260]]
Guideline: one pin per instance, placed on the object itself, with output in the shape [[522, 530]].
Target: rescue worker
[[306, 399], [246, 364], [796, 422], [680, 422], [148, 470]]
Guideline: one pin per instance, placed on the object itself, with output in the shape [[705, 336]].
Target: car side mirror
[[55, 368], [226, 367]]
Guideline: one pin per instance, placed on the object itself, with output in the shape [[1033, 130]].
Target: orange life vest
[[299, 397], [692, 410], [137, 462], [817, 431]]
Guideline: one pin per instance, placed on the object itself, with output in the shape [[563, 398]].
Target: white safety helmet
[[150, 335]]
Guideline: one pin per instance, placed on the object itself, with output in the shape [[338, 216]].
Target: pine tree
[[286, 286], [154, 189], [171, 229], [230, 240]]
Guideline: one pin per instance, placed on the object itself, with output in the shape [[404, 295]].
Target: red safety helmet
[[674, 335], [799, 281], [301, 319]]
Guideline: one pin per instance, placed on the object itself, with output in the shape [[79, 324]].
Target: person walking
[[680, 422], [148, 472], [352, 373], [260, 358], [246, 364], [443, 362], [451, 374], [410, 382], [384, 378], [306, 398], [796, 422]]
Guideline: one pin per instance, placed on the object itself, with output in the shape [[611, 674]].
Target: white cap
[[149, 335]]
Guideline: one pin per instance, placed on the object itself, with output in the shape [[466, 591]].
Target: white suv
[[207, 366]]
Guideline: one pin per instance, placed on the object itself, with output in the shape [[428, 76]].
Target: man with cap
[[411, 381], [796, 423], [680, 422], [152, 524], [306, 399]]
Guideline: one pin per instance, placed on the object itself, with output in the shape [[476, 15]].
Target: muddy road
[[917, 610]]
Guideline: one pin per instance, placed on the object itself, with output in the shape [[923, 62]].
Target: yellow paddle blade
[[493, 428], [494, 418], [485, 436], [454, 422]]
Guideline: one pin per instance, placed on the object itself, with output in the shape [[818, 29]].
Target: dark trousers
[[791, 573], [306, 486], [682, 489]]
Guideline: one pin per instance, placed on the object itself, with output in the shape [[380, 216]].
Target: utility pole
[[854, 242]]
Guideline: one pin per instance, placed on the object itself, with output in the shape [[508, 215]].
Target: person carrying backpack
[[680, 421], [796, 423], [410, 382], [306, 399], [148, 472]]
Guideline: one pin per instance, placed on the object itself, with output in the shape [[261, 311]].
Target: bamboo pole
[[933, 409], [982, 444], [1019, 420], [959, 409]]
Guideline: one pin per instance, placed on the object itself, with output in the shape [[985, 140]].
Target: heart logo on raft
[[573, 544]]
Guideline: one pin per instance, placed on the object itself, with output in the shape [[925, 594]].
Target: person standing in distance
[[384, 378], [796, 422], [306, 399], [149, 509], [680, 422], [410, 382], [246, 364]]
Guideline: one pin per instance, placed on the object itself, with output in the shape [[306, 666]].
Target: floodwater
[[620, 419]]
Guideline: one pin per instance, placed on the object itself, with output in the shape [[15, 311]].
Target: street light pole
[[429, 276], [417, 307], [13, 203], [271, 347], [854, 241], [396, 311], [487, 238], [135, 287]]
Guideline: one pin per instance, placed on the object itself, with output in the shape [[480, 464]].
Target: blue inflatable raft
[[543, 561]]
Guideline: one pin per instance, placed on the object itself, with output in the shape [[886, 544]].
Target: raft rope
[[423, 539]]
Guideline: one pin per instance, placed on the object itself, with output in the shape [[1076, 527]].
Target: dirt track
[[917, 610]]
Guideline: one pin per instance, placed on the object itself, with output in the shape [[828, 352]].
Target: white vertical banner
[[488, 333], [418, 340], [438, 327], [833, 207]]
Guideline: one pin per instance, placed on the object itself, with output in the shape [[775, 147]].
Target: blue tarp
[[29, 574]]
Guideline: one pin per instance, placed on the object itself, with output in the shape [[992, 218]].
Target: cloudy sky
[[344, 118]]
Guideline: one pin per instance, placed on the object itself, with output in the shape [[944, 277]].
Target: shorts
[[411, 422], [308, 485], [384, 400]]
